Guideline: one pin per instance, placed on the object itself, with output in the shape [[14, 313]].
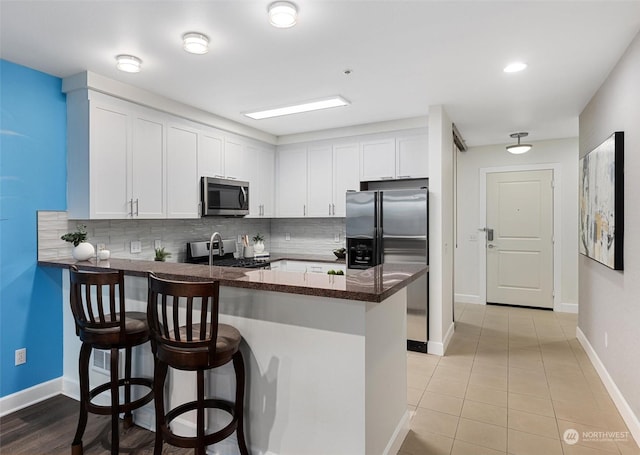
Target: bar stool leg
[[115, 401], [128, 416], [160, 374], [238, 366], [83, 371]]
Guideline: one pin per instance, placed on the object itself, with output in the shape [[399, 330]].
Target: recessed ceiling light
[[519, 148], [283, 14], [326, 103], [128, 63], [195, 43], [515, 67]]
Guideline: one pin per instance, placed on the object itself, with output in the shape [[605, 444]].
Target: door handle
[[491, 245]]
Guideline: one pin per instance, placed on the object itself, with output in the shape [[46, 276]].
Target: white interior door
[[520, 238]]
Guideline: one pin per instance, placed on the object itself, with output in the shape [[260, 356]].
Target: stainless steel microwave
[[224, 197]]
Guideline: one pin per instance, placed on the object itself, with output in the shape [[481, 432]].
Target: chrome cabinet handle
[[131, 207], [137, 205], [304, 210], [334, 208], [329, 209], [404, 176]]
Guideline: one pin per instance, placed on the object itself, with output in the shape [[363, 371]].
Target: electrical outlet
[[136, 246], [336, 238], [157, 243], [21, 356], [100, 246], [287, 236]]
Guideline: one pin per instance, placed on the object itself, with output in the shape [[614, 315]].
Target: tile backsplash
[[315, 236]]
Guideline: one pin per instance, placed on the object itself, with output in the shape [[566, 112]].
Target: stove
[[198, 253]]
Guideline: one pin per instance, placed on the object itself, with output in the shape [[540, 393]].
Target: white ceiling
[[405, 56]]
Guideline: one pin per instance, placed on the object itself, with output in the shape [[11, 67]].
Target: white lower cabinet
[[288, 265]]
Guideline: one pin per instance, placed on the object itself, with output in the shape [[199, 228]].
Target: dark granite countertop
[[371, 285]]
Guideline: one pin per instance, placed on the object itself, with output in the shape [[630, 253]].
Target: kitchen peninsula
[[325, 354]]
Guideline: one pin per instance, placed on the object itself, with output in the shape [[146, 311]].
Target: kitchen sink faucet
[[220, 246]]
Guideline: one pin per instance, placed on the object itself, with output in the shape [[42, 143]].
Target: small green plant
[[161, 254], [77, 237], [258, 238]]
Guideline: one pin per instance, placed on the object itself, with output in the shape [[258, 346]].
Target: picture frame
[[601, 199]]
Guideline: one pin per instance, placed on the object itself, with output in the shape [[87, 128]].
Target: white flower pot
[[258, 247], [83, 252]]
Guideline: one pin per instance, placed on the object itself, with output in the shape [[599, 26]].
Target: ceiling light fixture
[[519, 148], [325, 103], [283, 14], [128, 63], [515, 67], [195, 43]]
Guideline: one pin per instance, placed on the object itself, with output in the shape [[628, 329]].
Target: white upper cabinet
[[402, 157], [378, 159], [291, 189], [346, 175], [147, 165], [210, 153], [182, 172], [115, 159], [320, 181], [261, 165], [412, 157], [236, 164]]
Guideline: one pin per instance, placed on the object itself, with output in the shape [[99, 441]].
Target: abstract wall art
[[602, 202]]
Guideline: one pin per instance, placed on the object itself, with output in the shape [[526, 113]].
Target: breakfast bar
[[325, 354]]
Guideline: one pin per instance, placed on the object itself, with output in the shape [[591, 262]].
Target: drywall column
[[441, 207]]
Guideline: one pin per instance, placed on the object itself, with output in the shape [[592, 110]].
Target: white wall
[[561, 153], [609, 300]]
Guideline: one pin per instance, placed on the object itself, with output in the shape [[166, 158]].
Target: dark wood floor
[[47, 428]]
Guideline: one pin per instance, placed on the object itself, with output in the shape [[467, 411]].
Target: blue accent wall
[[32, 177]]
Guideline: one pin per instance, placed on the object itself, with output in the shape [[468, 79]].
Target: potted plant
[[82, 250], [161, 255], [258, 243]]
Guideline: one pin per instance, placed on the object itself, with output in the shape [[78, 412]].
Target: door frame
[[557, 226]]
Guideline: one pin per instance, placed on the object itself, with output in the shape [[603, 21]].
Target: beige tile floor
[[512, 382]]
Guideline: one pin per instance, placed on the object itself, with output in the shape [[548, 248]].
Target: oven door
[[224, 197]]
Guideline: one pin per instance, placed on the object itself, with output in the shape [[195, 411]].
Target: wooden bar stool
[[186, 335], [98, 306]]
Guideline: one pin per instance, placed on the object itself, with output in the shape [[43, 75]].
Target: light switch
[[287, 236]]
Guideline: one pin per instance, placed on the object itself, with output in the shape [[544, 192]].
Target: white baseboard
[[30, 396], [621, 403], [564, 307], [399, 435], [468, 298], [440, 347]]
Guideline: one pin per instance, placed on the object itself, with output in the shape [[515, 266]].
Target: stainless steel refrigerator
[[391, 226]]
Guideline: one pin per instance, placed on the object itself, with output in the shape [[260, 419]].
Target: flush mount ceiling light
[[128, 63], [326, 103], [515, 67], [195, 43], [283, 14], [519, 148]]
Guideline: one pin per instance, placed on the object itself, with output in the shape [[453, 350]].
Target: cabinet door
[[267, 164], [210, 154], [183, 194], [109, 178], [147, 167], [346, 176], [412, 157], [235, 160], [252, 155], [378, 160], [291, 191], [320, 181]]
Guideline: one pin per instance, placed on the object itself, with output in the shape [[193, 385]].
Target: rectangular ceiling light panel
[[334, 101]]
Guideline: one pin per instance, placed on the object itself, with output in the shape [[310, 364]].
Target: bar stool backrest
[[183, 315], [97, 301]]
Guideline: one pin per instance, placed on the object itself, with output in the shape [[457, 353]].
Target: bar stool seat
[[186, 335], [98, 303]]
